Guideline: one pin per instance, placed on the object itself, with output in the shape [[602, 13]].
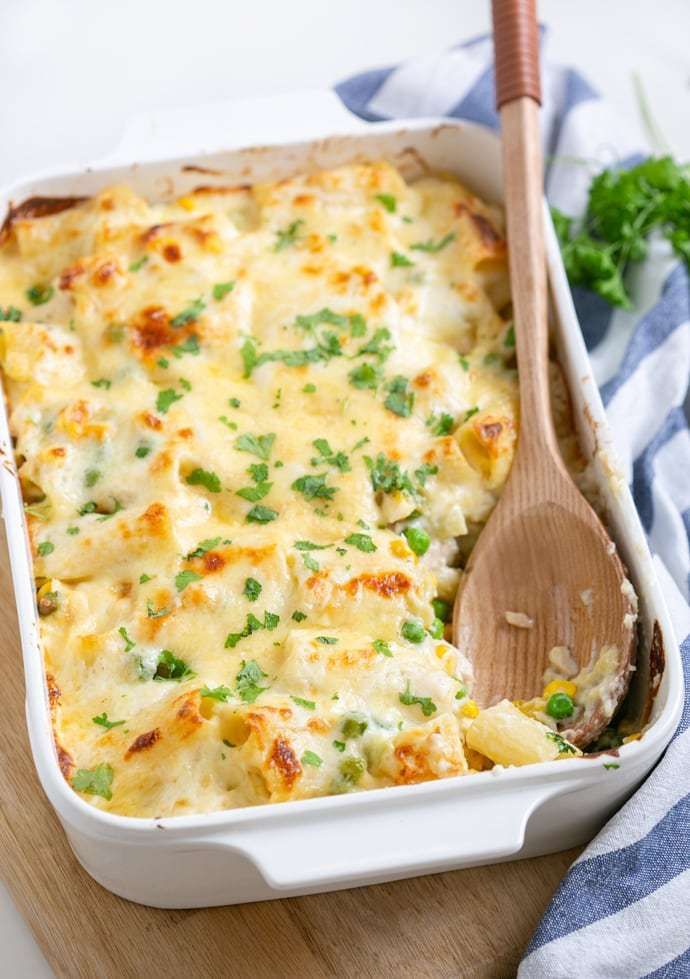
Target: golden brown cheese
[[257, 427]]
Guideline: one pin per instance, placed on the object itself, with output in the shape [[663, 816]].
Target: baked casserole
[[258, 430]]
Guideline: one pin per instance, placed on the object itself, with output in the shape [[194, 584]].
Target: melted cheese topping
[[257, 429]]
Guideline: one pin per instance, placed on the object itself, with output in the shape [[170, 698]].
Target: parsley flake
[[94, 781], [190, 314], [252, 589], [301, 702], [202, 477], [166, 398], [362, 542], [221, 289], [184, 578], [409, 699], [433, 246], [102, 719]]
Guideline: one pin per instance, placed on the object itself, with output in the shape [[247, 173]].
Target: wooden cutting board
[[469, 923]]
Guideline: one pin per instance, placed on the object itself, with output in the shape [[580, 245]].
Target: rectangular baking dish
[[329, 843]]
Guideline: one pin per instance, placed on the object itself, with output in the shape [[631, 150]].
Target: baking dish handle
[[229, 124], [382, 842]]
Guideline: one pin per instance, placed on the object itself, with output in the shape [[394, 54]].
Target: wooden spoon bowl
[[544, 554]]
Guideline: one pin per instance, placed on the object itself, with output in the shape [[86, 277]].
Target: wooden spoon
[[544, 552]]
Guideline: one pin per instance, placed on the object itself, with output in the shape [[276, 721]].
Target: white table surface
[[73, 72]]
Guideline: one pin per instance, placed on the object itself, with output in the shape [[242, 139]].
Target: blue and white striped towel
[[623, 909]]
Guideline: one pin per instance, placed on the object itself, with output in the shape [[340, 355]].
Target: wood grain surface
[[469, 923]]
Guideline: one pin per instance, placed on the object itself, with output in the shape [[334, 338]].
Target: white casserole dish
[[335, 842]]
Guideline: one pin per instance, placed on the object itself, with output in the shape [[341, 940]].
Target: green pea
[[354, 726], [436, 630], [442, 609], [560, 705], [352, 768], [413, 630], [417, 539]]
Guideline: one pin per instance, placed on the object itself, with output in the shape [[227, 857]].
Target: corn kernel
[[188, 203], [469, 709], [632, 737], [560, 686], [441, 651], [400, 548]]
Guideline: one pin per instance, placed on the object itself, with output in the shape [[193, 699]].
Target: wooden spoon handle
[[516, 44], [517, 84]]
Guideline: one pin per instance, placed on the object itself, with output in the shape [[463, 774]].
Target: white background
[[74, 72]]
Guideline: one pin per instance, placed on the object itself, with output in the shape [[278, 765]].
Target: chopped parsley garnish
[[258, 445], [298, 616], [248, 681], [45, 548], [309, 389], [433, 246], [288, 236], [301, 702], [563, 746], [40, 294], [216, 693], [464, 362], [94, 781], [89, 507], [327, 640], [261, 514], [365, 377], [221, 289], [386, 475], [388, 201], [329, 457], [491, 359], [377, 345], [509, 338], [271, 620], [362, 542], [185, 385], [102, 382], [611, 765], [252, 589], [339, 745], [129, 643], [426, 703], [144, 578], [91, 477], [358, 325], [440, 424], [72, 531], [314, 487], [190, 314], [139, 264], [156, 613], [424, 471], [226, 421], [328, 346], [255, 493], [382, 647], [102, 719], [253, 624], [470, 413], [400, 401], [10, 314], [166, 398], [171, 667], [188, 346], [234, 402], [202, 477], [203, 547], [311, 758], [400, 261], [184, 578], [142, 450]]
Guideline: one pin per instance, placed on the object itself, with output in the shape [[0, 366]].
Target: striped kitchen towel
[[623, 909]]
